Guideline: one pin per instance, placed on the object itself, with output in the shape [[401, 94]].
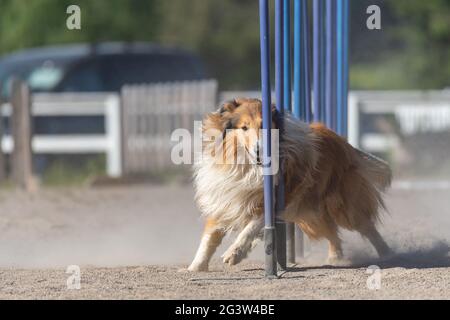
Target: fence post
[[114, 133], [353, 120], [2, 155], [21, 160]]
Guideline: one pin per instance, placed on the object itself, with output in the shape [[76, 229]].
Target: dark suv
[[103, 67]]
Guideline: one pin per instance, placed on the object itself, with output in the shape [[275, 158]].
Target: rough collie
[[328, 183]]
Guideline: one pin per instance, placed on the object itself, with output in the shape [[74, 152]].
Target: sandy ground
[[130, 242]]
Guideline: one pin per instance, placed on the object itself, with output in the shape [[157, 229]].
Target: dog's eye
[[244, 128]]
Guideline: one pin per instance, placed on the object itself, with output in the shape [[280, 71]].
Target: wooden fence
[[150, 113], [138, 126], [21, 157], [21, 142]]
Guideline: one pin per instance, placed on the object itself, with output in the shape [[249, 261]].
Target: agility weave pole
[[327, 103]]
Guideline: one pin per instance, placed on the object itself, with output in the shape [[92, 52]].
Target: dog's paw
[[337, 261], [233, 256], [194, 268]]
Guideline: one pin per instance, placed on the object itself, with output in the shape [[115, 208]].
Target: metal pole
[[280, 225], [334, 113], [306, 104], [346, 35], [323, 61], [340, 65], [318, 59], [297, 58], [287, 95], [328, 64], [302, 94], [306, 60], [269, 230]]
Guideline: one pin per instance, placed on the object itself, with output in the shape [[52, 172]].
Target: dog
[[328, 183]]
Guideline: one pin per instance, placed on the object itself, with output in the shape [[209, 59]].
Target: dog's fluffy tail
[[378, 170]]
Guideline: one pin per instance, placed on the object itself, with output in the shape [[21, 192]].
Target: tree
[[225, 33], [412, 51], [25, 23]]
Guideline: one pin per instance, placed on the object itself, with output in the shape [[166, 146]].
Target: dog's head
[[236, 129]]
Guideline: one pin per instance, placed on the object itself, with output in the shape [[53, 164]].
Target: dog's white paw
[[194, 268], [233, 256], [337, 261]]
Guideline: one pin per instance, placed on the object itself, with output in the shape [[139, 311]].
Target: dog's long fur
[[328, 183]]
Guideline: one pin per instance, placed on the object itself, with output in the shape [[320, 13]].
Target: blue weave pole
[[329, 65], [342, 21], [287, 95], [340, 66], [306, 61], [269, 229], [280, 225], [302, 91], [297, 59], [334, 114], [318, 61], [345, 50], [302, 87]]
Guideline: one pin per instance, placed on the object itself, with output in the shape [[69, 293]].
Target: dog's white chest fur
[[232, 196]]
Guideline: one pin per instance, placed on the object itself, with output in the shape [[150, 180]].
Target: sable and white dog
[[328, 184]]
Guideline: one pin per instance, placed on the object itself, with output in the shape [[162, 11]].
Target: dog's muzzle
[[258, 156]]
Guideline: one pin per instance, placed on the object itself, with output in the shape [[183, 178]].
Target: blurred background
[[97, 106], [129, 42]]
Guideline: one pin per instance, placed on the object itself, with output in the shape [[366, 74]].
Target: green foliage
[[75, 171], [29, 23], [226, 33], [411, 51]]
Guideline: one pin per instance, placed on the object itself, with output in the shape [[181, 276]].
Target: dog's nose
[[258, 158]]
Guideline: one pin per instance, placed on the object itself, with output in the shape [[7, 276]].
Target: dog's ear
[[228, 106]]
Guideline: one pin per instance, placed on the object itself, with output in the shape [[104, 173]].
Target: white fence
[[138, 124], [413, 111], [152, 112], [80, 104]]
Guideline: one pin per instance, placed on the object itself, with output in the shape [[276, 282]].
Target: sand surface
[[130, 242]]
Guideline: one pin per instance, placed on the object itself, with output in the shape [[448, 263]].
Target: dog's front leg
[[245, 241], [211, 239]]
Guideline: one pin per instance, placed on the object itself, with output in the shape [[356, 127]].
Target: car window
[[145, 68], [45, 77], [41, 74], [10, 72], [84, 77]]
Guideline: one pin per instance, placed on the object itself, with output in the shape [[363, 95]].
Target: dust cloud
[[159, 224]]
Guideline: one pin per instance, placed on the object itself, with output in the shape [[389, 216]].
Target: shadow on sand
[[436, 256]]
